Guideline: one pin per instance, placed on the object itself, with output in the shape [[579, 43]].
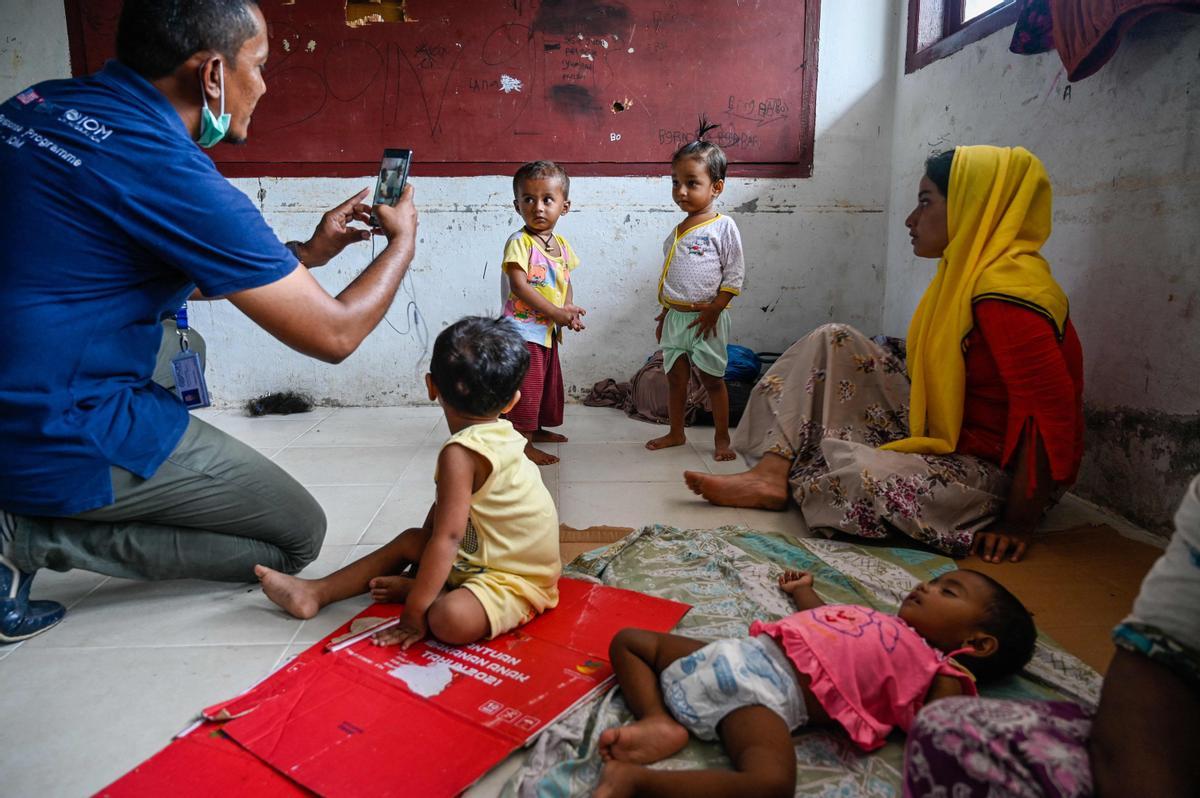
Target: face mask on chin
[[213, 128]]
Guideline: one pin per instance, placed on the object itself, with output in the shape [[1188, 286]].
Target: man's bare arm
[[303, 315]]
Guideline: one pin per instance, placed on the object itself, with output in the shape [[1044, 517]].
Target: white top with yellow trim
[[513, 523], [702, 262]]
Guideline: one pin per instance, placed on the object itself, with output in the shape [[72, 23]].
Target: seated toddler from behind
[[487, 555]]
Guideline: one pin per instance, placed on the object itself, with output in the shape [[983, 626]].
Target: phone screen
[[393, 173]]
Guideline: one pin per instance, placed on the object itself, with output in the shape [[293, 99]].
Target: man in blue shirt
[[112, 217]]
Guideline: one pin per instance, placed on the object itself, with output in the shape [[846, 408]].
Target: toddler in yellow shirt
[[487, 555]]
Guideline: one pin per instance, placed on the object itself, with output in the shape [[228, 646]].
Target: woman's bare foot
[[295, 596], [746, 489], [643, 742], [617, 780], [538, 456], [666, 441], [546, 436], [723, 451], [390, 589]]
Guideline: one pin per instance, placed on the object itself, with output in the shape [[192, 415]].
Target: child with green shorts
[[703, 270]]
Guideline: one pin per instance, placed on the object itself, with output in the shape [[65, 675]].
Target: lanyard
[[181, 321]]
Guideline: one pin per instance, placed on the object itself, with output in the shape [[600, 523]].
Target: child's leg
[[303, 598], [455, 617], [677, 382], [638, 657], [718, 397], [524, 415], [758, 742], [550, 411]]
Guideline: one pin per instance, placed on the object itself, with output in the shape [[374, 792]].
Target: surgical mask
[[213, 128]]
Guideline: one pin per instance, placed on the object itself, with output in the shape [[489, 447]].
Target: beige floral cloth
[[827, 405]]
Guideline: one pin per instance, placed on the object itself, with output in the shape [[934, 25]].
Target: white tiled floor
[[133, 661]]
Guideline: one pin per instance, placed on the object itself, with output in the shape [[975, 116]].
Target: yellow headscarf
[[998, 215]]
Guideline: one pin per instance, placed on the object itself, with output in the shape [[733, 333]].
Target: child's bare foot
[[738, 490], [643, 742], [538, 456], [390, 589], [294, 595], [617, 780], [723, 450], [546, 436], [666, 441]]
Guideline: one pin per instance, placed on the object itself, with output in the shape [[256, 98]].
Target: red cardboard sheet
[[429, 720], [203, 764]]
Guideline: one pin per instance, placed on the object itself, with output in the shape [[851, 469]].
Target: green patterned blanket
[[729, 576]]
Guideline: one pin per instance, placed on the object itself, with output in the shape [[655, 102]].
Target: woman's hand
[[993, 545]]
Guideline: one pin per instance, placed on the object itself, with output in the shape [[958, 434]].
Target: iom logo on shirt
[[89, 126]]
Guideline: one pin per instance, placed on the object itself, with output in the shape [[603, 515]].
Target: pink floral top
[[870, 671]]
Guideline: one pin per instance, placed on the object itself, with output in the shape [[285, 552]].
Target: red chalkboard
[[478, 86]]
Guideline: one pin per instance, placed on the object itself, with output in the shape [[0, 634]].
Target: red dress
[[1022, 380]]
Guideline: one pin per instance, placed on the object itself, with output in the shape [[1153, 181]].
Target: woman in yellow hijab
[[960, 440]]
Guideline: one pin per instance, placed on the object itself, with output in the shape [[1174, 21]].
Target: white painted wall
[[33, 44], [815, 247], [1123, 153]]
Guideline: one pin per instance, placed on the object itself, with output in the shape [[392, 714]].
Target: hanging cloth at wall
[[1034, 32], [1086, 32], [998, 217]]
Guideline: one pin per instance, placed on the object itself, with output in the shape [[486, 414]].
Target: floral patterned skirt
[[988, 748], [827, 405]]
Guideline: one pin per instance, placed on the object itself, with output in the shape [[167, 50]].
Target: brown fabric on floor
[[1079, 583], [572, 542]]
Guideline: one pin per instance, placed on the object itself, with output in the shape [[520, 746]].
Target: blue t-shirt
[[110, 216]]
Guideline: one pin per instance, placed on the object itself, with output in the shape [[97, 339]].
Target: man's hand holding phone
[[334, 233], [398, 221]]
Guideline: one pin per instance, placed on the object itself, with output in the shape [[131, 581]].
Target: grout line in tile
[[150, 646], [98, 585], [71, 606], [378, 510], [349, 485], [307, 430]]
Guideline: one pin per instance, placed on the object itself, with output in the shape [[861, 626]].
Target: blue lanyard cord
[[181, 321]]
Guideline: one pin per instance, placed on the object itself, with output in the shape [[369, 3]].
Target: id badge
[[189, 379]]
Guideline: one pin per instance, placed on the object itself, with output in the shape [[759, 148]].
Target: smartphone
[[393, 174]]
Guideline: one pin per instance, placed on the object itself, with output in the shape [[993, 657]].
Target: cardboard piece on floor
[[429, 720], [432, 719], [202, 764]]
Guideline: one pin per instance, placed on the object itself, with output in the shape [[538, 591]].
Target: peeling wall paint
[[33, 44], [1123, 152], [1142, 459]]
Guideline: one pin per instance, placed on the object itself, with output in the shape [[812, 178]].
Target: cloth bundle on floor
[[646, 396]]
